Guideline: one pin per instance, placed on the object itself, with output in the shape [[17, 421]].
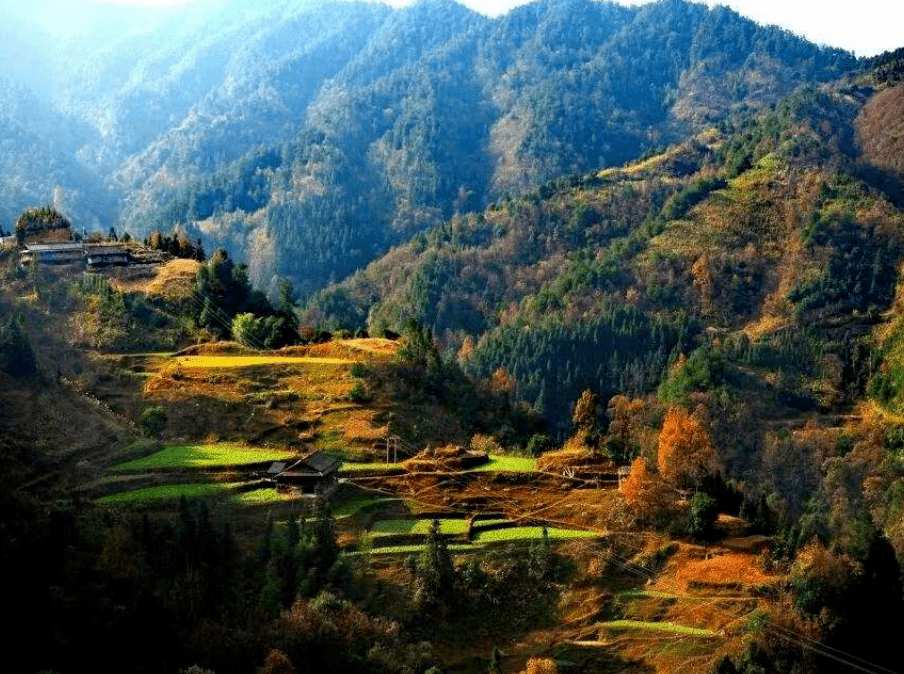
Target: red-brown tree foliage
[[685, 453]]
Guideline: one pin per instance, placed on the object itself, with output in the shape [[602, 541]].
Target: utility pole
[[392, 446]]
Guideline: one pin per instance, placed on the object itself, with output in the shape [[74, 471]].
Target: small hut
[[316, 473]]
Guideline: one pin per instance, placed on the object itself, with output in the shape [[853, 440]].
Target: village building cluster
[[44, 238], [90, 256]]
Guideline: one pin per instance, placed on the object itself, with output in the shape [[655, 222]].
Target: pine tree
[[435, 573]]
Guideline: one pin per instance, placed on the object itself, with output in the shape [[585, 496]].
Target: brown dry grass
[[572, 454], [173, 279], [709, 589], [726, 569], [371, 348], [360, 427]]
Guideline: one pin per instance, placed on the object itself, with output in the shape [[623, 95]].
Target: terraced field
[[352, 468], [168, 492], [264, 496], [418, 526], [660, 627], [529, 533], [216, 362], [192, 456], [511, 464], [306, 396]]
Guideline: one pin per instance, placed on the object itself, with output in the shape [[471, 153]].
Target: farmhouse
[[316, 473], [97, 257], [53, 254]]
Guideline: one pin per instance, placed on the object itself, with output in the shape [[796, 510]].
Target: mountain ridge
[[420, 113]]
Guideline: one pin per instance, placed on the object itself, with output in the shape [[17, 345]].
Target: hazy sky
[[865, 27]]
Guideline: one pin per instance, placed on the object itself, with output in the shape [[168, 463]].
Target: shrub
[[703, 370], [541, 666], [484, 443], [261, 332], [153, 421], [821, 578], [358, 394], [538, 443], [277, 662]]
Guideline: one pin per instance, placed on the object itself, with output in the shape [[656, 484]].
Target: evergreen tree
[[434, 589]]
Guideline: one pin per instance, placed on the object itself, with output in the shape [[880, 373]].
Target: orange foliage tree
[[685, 453], [623, 439], [277, 662], [502, 383], [643, 492]]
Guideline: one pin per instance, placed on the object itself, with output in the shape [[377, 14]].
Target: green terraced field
[[167, 492], [413, 526], [268, 495], [529, 533], [478, 524], [413, 549], [204, 456], [511, 464], [350, 467]]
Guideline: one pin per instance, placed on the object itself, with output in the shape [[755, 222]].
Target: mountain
[[40, 162], [746, 281], [775, 237], [310, 137]]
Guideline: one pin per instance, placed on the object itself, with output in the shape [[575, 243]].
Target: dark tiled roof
[[315, 464], [104, 250], [321, 462], [54, 247], [277, 467]]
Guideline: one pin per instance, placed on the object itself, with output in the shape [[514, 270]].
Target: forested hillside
[[308, 138], [751, 264], [734, 301]]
